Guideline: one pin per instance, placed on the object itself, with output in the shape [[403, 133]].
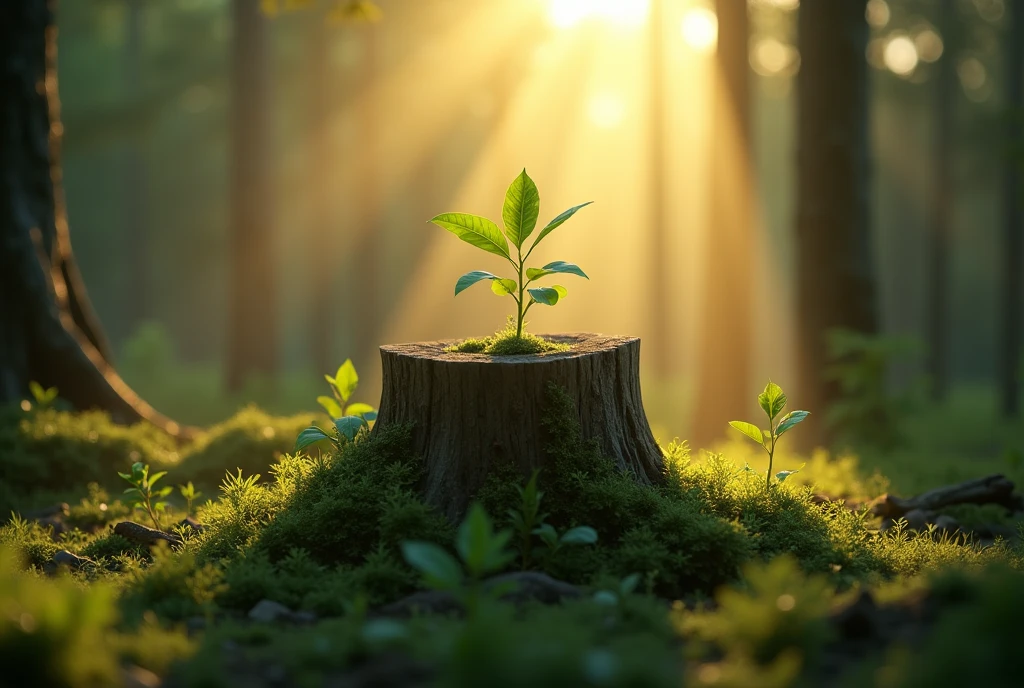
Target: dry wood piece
[[993, 489], [136, 532], [472, 411]]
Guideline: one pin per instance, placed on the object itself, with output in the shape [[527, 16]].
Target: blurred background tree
[[257, 185]]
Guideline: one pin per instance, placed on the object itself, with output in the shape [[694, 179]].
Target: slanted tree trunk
[[252, 318], [835, 274], [472, 412], [726, 326], [48, 331], [1012, 279]]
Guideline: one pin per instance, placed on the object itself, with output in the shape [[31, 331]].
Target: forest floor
[[328, 568]]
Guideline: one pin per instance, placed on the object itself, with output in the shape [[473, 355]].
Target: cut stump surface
[[470, 412]]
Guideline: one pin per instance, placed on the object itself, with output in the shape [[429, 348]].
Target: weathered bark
[[1012, 277], [471, 412], [48, 331], [726, 333], [252, 319], [835, 281], [993, 489]]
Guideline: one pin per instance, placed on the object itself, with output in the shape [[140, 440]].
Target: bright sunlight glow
[[700, 29], [565, 14], [900, 55], [606, 110]]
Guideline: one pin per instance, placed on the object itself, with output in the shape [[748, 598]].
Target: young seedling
[[519, 215], [144, 497], [482, 551], [343, 386], [43, 397], [348, 418], [190, 494], [527, 522], [772, 401]]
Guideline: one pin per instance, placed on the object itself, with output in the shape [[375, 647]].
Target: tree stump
[[470, 412]]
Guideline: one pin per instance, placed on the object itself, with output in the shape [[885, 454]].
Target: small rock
[[947, 524], [136, 532], [137, 677], [820, 499], [72, 561], [305, 618], [56, 525], [268, 611], [917, 519]]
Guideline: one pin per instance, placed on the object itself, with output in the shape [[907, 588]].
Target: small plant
[[772, 401], [481, 550], [190, 494], [143, 496], [348, 418], [43, 398], [519, 215], [527, 521]]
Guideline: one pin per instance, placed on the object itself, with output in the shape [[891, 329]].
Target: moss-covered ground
[[707, 579]]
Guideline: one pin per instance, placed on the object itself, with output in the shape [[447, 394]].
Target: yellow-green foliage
[[54, 632], [50, 453]]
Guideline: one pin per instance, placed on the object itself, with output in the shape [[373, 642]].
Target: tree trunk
[[471, 412], [137, 299], [320, 154], [48, 331], [726, 329], [835, 274], [1012, 287], [660, 289], [252, 319], [942, 207]]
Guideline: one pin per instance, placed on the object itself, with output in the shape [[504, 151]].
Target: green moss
[[507, 343]]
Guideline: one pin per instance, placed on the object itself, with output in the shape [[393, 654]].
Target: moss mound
[[507, 343]]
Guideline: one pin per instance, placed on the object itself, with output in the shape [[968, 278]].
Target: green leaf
[[309, 436], [629, 583], [748, 429], [472, 540], [522, 206], [471, 278], [548, 296], [348, 426], [558, 221], [580, 535], [475, 230], [791, 420], [772, 399], [370, 416], [345, 380], [331, 406], [504, 287], [38, 393], [154, 478], [548, 534], [163, 492], [782, 475], [440, 569], [361, 410], [559, 266]]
